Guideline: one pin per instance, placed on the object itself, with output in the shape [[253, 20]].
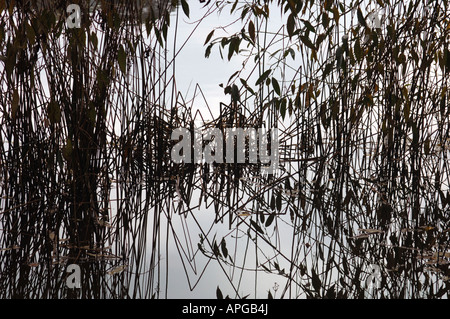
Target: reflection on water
[[358, 206]]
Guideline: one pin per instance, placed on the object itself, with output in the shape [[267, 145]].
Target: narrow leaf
[[360, 16], [339, 57], [276, 86], [279, 199], [308, 42], [94, 40], [122, 59], [235, 95], [251, 31], [256, 226], [270, 220], [219, 293], [336, 14], [327, 70], [208, 50], [263, 77], [283, 114], [54, 112], [223, 246], [290, 25], [185, 7], [358, 50], [15, 103], [316, 281], [209, 37], [309, 26]]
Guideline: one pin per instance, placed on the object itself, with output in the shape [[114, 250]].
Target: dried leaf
[[371, 231], [103, 223], [359, 236], [361, 19], [243, 212], [9, 248], [117, 270], [426, 228]]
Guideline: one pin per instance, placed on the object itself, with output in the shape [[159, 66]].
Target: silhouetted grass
[[86, 175]]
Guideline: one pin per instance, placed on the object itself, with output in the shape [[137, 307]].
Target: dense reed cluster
[[361, 106]]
